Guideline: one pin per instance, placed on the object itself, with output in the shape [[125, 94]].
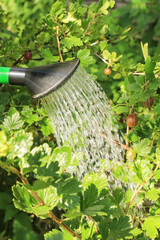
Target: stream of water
[[80, 112]]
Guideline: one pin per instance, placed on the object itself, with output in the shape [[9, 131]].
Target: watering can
[[40, 80]]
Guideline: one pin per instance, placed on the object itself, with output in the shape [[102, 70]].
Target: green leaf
[[88, 230], [119, 228], [67, 42], [69, 186], [145, 50], [46, 126], [13, 123], [120, 172], [41, 211], [36, 157], [28, 115], [121, 109], [54, 235], [136, 231], [49, 196], [30, 204], [100, 181], [156, 175], [140, 80], [40, 184], [154, 84], [151, 226], [133, 136], [57, 235], [106, 54], [149, 67], [118, 195], [2, 108], [21, 144], [68, 190], [4, 98], [23, 203], [142, 169], [46, 53], [90, 196], [103, 228], [50, 170], [3, 144], [103, 45], [157, 109], [106, 5], [70, 202], [71, 41], [94, 204], [152, 194], [10, 212], [5, 200], [142, 148], [20, 230], [57, 9], [65, 158], [70, 18], [85, 57], [94, 210], [25, 220]]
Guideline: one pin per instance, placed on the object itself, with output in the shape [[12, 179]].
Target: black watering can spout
[[40, 80]]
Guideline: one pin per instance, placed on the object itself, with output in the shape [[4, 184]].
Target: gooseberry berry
[[131, 120], [149, 102], [102, 37], [107, 71], [131, 154], [28, 55]]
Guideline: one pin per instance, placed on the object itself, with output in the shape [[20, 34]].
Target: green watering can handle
[[4, 74]]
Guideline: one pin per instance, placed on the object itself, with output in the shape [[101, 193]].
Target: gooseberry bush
[[38, 198]]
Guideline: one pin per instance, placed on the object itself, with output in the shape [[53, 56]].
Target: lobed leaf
[[151, 226], [85, 57], [13, 122]]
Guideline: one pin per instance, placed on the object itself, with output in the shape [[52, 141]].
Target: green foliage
[[150, 225], [37, 181], [57, 235]]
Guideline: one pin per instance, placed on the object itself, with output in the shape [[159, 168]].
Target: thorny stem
[[127, 143], [36, 196], [58, 42], [118, 143], [140, 187], [61, 27], [130, 111], [101, 58], [137, 74], [139, 220], [153, 140]]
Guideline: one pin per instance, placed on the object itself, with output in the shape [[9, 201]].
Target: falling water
[[80, 113]]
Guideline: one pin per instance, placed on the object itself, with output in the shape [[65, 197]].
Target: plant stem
[[140, 187], [17, 61], [36, 196], [138, 74], [127, 143], [58, 42], [153, 140], [118, 143], [101, 58], [57, 220]]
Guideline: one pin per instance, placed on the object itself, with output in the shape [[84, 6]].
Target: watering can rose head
[[40, 80]]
